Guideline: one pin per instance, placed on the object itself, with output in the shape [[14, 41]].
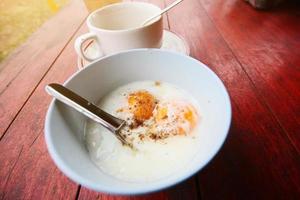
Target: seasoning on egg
[[120, 110], [142, 103], [157, 119], [157, 83], [142, 137]]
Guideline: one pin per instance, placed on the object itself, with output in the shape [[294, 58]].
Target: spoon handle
[[85, 107], [162, 12]]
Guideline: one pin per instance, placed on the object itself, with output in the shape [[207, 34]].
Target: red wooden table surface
[[255, 53]]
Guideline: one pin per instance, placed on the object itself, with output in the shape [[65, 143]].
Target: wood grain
[[258, 160], [267, 44], [23, 70], [255, 54], [27, 170]]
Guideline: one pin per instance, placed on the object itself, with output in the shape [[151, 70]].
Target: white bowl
[[64, 127]]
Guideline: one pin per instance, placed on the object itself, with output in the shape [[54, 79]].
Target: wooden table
[[255, 53]]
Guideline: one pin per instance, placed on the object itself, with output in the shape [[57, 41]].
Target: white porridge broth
[[162, 125]]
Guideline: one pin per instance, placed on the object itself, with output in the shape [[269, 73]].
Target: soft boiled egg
[[174, 117], [157, 113]]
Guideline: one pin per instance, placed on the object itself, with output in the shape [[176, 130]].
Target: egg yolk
[[175, 118], [162, 113], [141, 104], [189, 115]]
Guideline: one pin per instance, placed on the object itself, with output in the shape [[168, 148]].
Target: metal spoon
[[87, 108], [161, 12]]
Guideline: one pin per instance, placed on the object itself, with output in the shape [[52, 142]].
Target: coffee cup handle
[[79, 46]]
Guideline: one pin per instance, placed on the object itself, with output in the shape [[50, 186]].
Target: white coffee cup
[[118, 27]]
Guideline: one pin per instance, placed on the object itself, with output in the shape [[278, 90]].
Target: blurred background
[[20, 18]]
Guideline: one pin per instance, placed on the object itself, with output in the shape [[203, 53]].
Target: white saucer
[[171, 42]]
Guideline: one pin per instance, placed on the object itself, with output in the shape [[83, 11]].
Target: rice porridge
[[162, 124]]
